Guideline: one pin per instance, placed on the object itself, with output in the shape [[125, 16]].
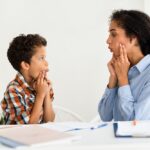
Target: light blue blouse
[[131, 101]]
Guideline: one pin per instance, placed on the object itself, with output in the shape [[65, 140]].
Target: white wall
[[76, 31], [147, 6]]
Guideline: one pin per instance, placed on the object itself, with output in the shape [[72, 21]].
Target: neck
[[27, 78], [135, 56]]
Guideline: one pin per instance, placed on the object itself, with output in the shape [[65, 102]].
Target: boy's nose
[[46, 63]]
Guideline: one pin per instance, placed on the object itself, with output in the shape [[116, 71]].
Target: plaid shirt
[[18, 101]]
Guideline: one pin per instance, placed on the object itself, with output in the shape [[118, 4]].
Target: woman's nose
[[108, 40]]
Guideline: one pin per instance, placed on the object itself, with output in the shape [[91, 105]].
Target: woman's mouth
[[110, 49]]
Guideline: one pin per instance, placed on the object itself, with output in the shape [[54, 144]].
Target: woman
[[127, 96]]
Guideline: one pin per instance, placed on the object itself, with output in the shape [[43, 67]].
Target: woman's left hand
[[122, 65]]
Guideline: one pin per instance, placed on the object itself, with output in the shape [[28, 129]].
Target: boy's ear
[[25, 65]]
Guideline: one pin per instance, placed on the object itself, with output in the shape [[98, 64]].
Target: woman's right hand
[[111, 67], [113, 77]]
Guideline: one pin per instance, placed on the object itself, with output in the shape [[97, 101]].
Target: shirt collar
[[143, 63], [20, 79]]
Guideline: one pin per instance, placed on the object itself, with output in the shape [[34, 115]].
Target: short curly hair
[[22, 48]]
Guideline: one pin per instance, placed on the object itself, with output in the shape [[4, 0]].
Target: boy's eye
[[42, 58]]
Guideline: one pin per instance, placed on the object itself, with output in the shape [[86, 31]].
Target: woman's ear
[[134, 40], [25, 65]]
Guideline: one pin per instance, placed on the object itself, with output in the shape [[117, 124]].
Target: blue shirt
[[131, 101]]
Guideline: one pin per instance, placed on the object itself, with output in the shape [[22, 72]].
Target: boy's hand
[[51, 92], [41, 86]]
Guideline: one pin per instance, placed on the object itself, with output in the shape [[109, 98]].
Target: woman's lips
[[110, 49]]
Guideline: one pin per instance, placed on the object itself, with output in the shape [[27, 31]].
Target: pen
[[99, 126], [91, 128], [75, 129]]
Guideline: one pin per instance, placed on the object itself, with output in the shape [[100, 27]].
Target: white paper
[[142, 128]]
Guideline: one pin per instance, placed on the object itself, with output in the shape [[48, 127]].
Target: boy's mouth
[[47, 70]]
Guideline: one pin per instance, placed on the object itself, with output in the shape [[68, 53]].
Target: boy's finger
[[39, 78], [42, 77]]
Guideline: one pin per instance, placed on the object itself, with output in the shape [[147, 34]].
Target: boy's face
[[38, 62]]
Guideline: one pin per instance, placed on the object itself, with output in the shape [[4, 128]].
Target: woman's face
[[116, 37]]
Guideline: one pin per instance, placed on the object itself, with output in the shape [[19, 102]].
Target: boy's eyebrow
[[42, 55]]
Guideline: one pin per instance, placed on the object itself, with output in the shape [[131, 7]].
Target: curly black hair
[[22, 49], [135, 23]]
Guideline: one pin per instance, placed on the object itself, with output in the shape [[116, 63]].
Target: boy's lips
[[47, 70]]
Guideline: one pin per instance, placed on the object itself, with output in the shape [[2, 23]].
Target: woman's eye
[[113, 34]]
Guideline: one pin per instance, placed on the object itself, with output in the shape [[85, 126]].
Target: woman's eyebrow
[[112, 30]]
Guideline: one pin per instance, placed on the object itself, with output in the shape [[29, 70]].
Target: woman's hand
[[121, 66], [113, 77]]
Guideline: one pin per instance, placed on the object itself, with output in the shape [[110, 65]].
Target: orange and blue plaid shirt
[[18, 101]]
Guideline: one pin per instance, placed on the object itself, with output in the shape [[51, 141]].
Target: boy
[[28, 98]]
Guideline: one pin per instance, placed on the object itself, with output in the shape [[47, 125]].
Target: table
[[102, 138]]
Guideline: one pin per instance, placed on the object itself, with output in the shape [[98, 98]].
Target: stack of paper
[[31, 135], [128, 128]]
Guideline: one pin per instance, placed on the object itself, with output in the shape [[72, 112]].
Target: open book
[[31, 135], [129, 129]]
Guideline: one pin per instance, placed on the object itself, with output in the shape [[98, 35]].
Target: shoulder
[[14, 87], [147, 73], [13, 94], [145, 77]]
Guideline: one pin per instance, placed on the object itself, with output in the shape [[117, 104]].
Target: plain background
[[76, 31]]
